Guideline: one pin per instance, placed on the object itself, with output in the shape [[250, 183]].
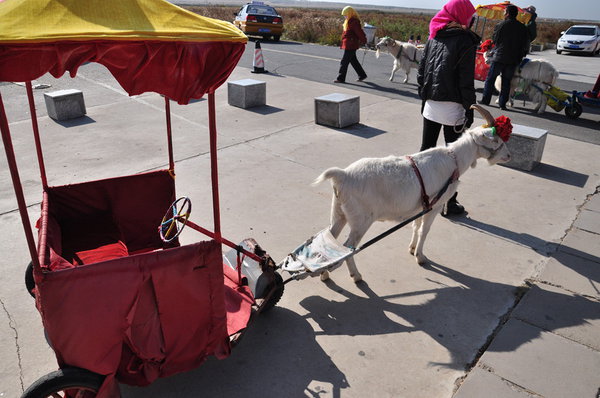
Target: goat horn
[[485, 113]]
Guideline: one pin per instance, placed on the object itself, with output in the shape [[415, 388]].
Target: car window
[[581, 31], [261, 10]]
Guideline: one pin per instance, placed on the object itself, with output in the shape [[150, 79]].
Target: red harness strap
[[427, 205], [424, 196]]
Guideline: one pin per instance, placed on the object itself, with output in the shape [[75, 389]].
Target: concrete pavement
[[507, 307]]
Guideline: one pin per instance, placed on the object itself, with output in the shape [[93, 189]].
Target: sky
[[562, 9]]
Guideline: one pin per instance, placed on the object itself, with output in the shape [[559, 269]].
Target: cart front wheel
[[69, 382], [274, 293], [573, 111]]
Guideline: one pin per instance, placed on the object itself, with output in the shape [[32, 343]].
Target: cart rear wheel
[[573, 111], [277, 287], [29, 281], [69, 382]]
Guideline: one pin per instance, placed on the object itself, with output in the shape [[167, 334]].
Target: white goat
[[406, 55], [533, 77], [388, 189]]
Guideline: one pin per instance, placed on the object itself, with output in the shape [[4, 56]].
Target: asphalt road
[[320, 64]]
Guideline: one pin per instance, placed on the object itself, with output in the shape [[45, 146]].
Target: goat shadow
[[459, 318], [278, 353]]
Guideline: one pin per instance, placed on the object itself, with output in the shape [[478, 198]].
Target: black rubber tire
[[558, 52], [29, 281], [65, 379], [276, 38], [277, 293], [573, 111]]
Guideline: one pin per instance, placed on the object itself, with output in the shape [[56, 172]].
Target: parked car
[[580, 38], [258, 19]]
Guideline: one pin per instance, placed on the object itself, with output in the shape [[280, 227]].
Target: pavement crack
[[12, 325], [519, 293]]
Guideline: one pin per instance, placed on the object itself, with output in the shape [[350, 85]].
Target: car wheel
[[558, 51], [276, 38]]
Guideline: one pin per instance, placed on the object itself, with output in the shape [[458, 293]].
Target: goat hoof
[[324, 276], [421, 260], [356, 278], [411, 250]]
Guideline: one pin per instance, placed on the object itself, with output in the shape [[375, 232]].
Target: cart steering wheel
[[175, 219]]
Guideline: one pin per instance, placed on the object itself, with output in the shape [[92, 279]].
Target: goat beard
[[377, 54]]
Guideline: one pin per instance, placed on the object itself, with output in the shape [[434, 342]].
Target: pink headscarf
[[459, 11]]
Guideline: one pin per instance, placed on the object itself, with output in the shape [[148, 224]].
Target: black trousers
[[350, 58], [507, 71], [431, 132]]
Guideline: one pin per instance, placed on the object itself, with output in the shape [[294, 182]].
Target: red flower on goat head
[[503, 127]]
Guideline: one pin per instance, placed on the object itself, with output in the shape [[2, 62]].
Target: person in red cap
[[595, 91]]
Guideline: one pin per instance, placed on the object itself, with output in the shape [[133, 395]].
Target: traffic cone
[[258, 63]]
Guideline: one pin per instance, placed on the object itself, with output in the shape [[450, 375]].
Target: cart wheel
[[573, 111], [69, 382], [29, 281], [277, 287]]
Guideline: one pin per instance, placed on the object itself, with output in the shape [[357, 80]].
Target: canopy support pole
[[16, 180], [36, 134], [169, 135], [212, 126]]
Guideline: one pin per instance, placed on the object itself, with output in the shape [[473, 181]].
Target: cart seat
[[238, 301]]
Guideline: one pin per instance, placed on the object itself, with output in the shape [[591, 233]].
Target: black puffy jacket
[[447, 70], [511, 39]]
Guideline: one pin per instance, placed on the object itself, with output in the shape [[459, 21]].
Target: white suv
[[580, 38]]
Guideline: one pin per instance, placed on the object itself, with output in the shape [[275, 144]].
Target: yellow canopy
[[36, 21], [496, 11]]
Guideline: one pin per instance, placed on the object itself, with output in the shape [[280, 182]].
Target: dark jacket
[[532, 27], [354, 36], [511, 39], [447, 70]]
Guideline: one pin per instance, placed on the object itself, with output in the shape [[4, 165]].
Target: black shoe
[[483, 103], [338, 81], [453, 208], [360, 79], [503, 108]]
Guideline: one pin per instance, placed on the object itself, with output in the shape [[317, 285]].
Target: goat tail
[[334, 173]]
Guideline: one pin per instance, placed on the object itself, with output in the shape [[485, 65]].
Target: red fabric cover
[[138, 317], [179, 70], [141, 316], [238, 301], [481, 68]]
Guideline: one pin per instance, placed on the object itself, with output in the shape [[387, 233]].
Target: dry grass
[[324, 26]]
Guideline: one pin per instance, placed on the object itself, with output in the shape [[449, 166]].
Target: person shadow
[[278, 353]]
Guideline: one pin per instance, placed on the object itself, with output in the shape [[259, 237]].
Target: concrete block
[[247, 93], [65, 104], [337, 110], [526, 145]]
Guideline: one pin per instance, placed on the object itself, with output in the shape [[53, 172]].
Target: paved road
[[319, 64]]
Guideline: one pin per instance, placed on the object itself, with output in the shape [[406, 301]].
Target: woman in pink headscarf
[[446, 78]]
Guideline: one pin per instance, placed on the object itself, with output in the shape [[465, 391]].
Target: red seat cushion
[[102, 253]]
